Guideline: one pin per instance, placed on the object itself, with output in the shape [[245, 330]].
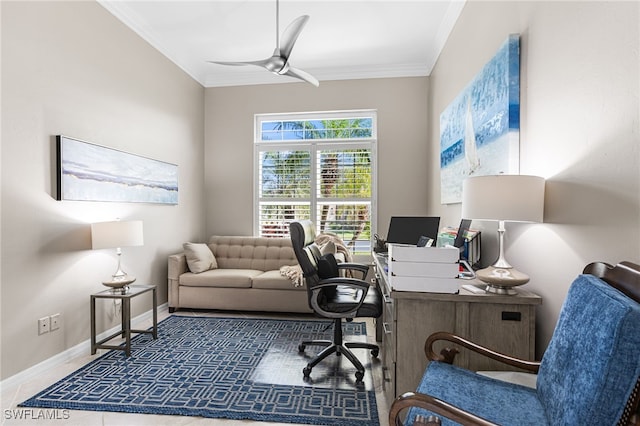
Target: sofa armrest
[[176, 267]]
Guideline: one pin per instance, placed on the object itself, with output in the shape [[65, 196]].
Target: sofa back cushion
[[592, 363], [263, 254]]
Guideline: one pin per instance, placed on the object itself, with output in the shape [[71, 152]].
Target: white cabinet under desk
[[503, 323]]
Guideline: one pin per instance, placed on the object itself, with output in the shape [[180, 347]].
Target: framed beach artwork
[[89, 172], [480, 129]]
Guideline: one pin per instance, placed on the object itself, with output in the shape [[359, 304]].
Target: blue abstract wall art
[[88, 172], [480, 129]]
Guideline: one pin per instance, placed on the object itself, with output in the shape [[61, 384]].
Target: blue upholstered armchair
[[589, 374]]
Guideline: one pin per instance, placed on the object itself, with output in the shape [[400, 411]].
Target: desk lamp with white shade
[[503, 198], [117, 234]]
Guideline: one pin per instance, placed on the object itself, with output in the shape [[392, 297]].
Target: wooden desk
[[504, 323]]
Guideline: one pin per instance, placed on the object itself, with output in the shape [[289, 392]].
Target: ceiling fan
[[278, 63]]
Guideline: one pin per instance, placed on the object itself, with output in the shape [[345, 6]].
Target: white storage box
[[410, 253], [424, 284], [424, 269]]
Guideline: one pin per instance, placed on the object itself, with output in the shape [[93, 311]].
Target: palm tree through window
[[318, 166]]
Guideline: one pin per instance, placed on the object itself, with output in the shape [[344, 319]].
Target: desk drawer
[[388, 379], [389, 327], [507, 328]]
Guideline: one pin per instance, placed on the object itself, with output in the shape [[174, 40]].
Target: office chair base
[[338, 349]]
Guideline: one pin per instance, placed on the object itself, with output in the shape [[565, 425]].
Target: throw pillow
[[327, 266], [199, 257], [329, 247]]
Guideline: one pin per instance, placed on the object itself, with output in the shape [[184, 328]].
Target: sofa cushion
[[234, 278], [264, 254], [273, 280], [199, 256]]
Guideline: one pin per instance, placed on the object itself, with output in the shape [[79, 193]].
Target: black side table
[[126, 331]]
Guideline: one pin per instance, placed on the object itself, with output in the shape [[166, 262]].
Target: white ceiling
[[348, 39]]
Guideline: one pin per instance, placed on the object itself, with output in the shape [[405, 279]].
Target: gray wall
[[72, 68], [402, 142], [579, 130]]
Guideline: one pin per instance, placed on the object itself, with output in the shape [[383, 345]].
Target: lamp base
[[501, 280], [120, 282]]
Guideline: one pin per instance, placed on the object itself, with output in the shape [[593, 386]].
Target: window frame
[[314, 146]]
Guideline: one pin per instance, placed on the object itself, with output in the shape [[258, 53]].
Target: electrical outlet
[[43, 325], [56, 321]]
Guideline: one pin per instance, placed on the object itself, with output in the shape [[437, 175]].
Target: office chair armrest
[[435, 405], [345, 281], [448, 354], [358, 267]]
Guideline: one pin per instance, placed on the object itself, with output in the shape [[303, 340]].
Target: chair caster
[[359, 376], [375, 352], [301, 348], [306, 372]]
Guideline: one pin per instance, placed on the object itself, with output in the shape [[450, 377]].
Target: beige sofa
[[242, 274]]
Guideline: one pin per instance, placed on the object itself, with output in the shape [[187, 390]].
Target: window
[[318, 166]]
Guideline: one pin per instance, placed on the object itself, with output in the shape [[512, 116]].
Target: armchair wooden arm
[[414, 399], [448, 354]]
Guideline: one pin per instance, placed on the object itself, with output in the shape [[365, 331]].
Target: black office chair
[[334, 296]]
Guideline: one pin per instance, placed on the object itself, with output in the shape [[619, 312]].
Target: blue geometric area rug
[[206, 367]]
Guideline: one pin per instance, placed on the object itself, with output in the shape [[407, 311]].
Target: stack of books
[[424, 269]]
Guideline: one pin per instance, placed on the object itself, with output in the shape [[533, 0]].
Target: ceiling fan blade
[[275, 63], [291, 34], [258, 63], [278, 63], [302, 75]]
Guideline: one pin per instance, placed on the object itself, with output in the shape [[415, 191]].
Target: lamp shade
[[512, 198], [116, 234]]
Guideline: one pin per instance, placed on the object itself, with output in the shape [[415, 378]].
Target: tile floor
[[11, 397]]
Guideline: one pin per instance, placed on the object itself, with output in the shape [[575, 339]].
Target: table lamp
[[117, 234], [503, 198]]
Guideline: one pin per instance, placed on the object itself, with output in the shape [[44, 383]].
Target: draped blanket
[[328, 243], [294, 273]]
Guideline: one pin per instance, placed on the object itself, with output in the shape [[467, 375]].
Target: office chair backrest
[[303, 235], [314, 265]]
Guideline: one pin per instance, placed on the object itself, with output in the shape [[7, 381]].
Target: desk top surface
[[523, 296]]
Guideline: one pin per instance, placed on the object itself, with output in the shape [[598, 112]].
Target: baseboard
[[77, 351]]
